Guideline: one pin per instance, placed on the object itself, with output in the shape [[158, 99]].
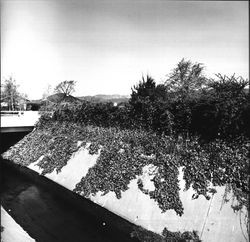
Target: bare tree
[[9, 93], [65, 87]]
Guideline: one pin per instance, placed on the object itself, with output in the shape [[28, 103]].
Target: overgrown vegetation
[[190, 122], [124, 153], [166, 236], [187, 104], [11, 99]]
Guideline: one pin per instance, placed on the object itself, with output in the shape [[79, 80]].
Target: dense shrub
[[205, 119], [244, 118], [159, 119], [98, 114], [219, 110], [149, 108]]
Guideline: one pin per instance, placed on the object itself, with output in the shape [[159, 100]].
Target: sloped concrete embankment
[[213, 219], [12, 231]]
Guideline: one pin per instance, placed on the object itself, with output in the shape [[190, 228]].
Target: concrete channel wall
[[212, 219]]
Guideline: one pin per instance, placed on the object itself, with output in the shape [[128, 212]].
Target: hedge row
[[208, 118]]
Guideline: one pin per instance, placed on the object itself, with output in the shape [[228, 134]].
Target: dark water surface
[[50, 213], [9, 139]]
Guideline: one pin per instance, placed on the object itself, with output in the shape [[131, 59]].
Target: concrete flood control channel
[[222, 224], [50, 212]]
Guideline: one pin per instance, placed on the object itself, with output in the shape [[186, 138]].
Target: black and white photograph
[[125, 120]]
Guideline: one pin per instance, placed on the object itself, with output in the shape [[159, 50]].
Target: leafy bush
[[223, 110], [219, 109], [106, 115]]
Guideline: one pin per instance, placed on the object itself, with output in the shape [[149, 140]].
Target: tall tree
[[65, 87], [184, 85], [145, 89], [141, 101], [231, 98], [186, 79], [148, 106], [9, 93]]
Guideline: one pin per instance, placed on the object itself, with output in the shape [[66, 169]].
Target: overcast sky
[[106, 46]]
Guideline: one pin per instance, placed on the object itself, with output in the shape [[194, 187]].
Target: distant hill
[[105, 98], [35, 101], [61, 97]]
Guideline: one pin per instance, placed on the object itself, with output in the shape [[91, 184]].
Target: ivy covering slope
[[166, 236], [123, 154]]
